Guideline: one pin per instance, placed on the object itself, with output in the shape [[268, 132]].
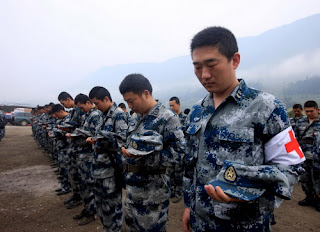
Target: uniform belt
[[306, 141], [142, 170]]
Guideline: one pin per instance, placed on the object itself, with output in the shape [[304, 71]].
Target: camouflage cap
[[80, 132], [146, 144], [247, 182]]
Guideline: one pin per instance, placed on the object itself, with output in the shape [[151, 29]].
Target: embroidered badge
[[134, 145], [230, 174]]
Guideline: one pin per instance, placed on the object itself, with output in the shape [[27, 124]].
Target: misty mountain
[[270, 61]]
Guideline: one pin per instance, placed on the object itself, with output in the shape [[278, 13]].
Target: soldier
[[186, 111], [72, 122], [306, 130], [90, 124], [61, 145], [155, 142], [3, 122], [107, 163], [239, 133], [124, 108], [176, 171], [297, 110], [316, 168]]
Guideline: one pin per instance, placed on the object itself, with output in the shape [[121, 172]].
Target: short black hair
[[63, 96], [82, 98], [135, 83], [122, 105], [56, 108], [99, 93], [176, 99], [219, 37], [311, 104], [186, 111], [297, 106]]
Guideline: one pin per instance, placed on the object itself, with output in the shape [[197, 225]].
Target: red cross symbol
[[293, 145]]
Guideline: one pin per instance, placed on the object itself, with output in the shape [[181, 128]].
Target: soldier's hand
[[64, 129], [217, 194], [91, 141], [186, 220], [68, 135], [126, 153], [318, 194]]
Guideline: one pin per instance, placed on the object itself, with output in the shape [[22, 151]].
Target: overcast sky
[[47, 45]]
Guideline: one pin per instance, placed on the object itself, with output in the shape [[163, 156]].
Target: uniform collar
[[239, 92], [91, 110], [154, 111], [109, 113]]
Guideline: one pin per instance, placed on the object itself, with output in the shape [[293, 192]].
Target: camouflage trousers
[[2, 132], [87, 182], [221, 225], [307, 179], [248, 221], [63, 162], [74, 174], [109, 204], [148, 218], [176, 180]]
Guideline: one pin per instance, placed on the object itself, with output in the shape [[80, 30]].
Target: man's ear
[[146, 93], [235, 60], [106, 99]]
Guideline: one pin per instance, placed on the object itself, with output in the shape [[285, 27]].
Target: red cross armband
[[284, 148]]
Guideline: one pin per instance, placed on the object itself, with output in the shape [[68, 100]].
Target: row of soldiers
[[239, 152], [85, 143], [307, 131]]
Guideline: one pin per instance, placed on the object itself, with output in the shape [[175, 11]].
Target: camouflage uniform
[[147, 185], [237, 131], [113, 134], [2, 129], [294, 120], [176, 171], [63, 160], [316, 161], [92, 120], [306, 141], [74, 120], [51, 141]]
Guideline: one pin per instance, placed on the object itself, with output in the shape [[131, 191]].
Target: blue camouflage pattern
[[113, 132], [236, 131], [152, 190]]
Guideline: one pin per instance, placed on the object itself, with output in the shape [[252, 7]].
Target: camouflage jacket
[[163, 124], [294, 120], [113, 129], [61, 140], [75, 118], [316, 160], [183, 119], [91, 121], [236, 131], [305, 135]]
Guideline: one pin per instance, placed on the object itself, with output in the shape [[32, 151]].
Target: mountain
[[269, 61]]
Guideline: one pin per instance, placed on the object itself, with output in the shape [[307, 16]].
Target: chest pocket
[[236, 144], [193, 141]]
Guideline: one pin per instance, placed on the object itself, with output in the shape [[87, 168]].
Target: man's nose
[[205, 73]]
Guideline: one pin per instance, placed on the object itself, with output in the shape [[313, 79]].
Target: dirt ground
[[28, 201]]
